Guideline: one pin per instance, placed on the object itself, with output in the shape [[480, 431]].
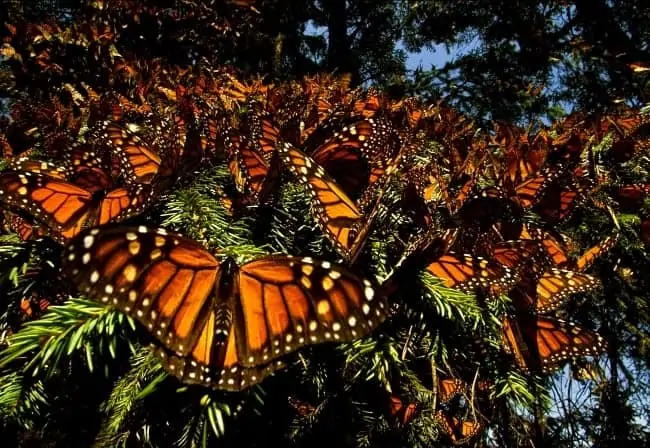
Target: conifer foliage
[[189, 253]]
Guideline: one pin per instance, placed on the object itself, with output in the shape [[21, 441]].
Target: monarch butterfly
[[254, 176], [633, 137], [515, 253], [217, 323], [448, 388], [466, 272], [34, 306], [407, 112], [529, 192], [358, 155], [83, 164], [263, 134], [25, 228], [402, 413], [555, 247], [423, 193], [482, 210], [314, 128], [428, 185], [368, 106], [628, 124], [558, 203], [140, 163], [551, 289], [181, 147], [469, 273], [211, 130], [336, 214], [417, 255], [523, 157], [66, 208], [458, 431], [541, 343], [38, 166], [593, 253]]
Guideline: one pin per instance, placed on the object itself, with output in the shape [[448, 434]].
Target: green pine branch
[[41, 345], [197, 212], [451, 303], [21, 399], [125, 396]]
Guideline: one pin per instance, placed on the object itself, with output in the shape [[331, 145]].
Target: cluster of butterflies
[[228, 326]]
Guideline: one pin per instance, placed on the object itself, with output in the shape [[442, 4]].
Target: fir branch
[[371, 359], [10, 244], [210, 419], [14, 259], [197, 212], [293, 229], [65, 330], [125, 396], [18, 401], [451, 303], [524, 393]]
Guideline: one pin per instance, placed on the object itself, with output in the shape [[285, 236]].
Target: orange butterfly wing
[[402, 413], [253, 175], [336, 214], [557, 285], [264, 135], [122, 203], [38, 167], [61, 205], [448, 388], [168, 284], [289, 302], [558, 203], [139, 163], [359, 154], [468, 273], [555, 249], [25, 228], [593, 253], [514, 253], [544, 343], [459, 431], [552, 290], [530, 191]]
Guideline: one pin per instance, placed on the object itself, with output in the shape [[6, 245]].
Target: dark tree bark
[[340, 57]]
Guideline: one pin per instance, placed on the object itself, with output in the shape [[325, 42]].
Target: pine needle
[[124, 396]]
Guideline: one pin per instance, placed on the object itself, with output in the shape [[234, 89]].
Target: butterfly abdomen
[[227, 287]]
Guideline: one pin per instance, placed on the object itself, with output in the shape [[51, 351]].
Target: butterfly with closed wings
[[336, 214]]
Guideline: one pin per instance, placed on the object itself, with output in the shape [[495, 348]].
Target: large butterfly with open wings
[[217, 323]]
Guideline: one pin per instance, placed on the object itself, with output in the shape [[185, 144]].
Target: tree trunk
[[340, 58]]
